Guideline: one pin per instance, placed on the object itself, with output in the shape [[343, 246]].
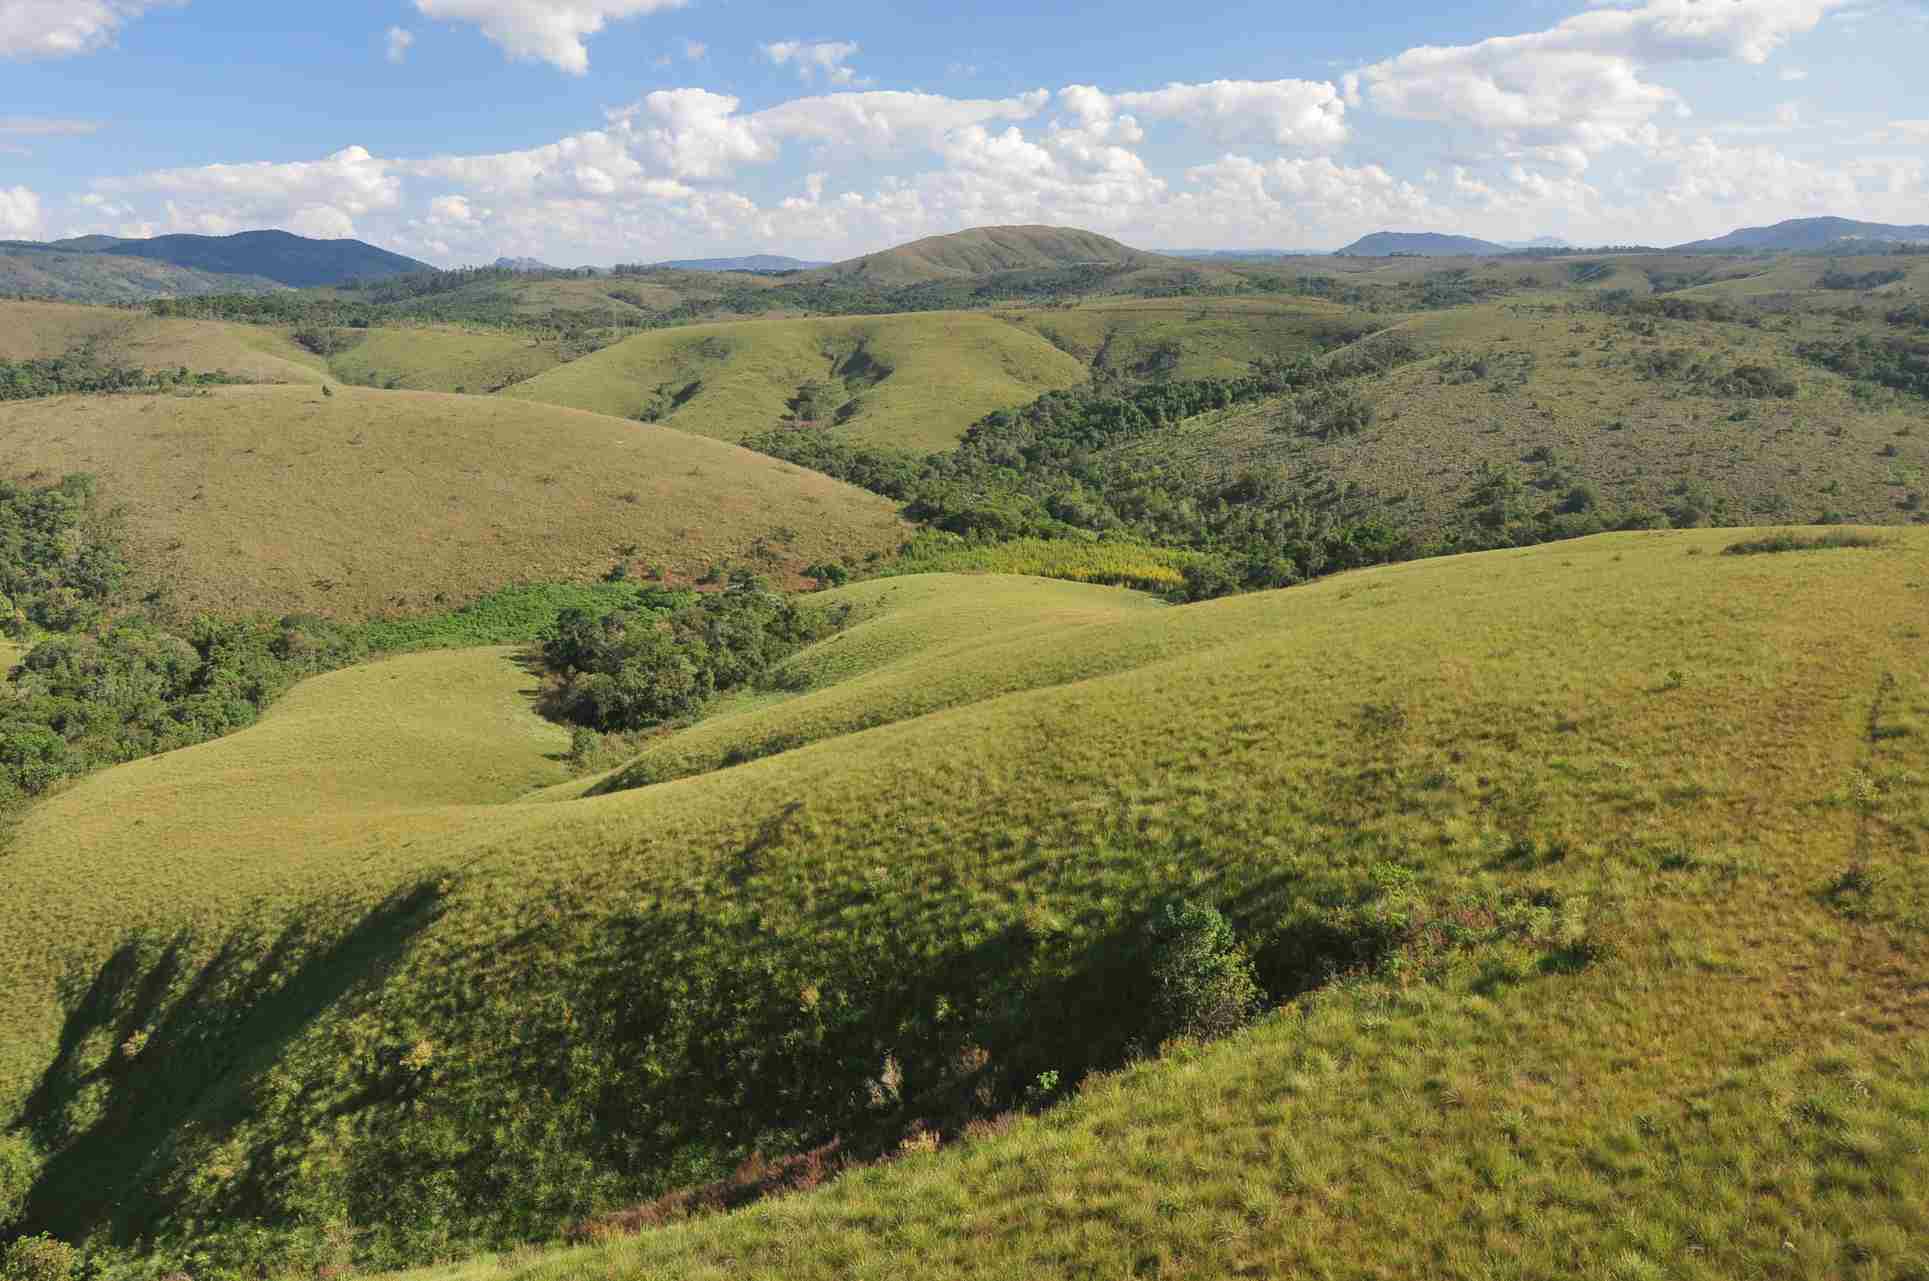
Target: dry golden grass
[[1696, 745], [279, 499], [947, 370], [30, 330]]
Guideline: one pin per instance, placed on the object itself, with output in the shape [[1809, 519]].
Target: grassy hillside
[[30, 330], [278, 499], [916, 381], [1637, 824], [1536, 404], [912, 381], [111, 278], [984, 251], [1199, 338], [279, 256], [443, 359]]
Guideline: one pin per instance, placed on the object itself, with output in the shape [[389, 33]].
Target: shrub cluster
[[1900, 363], [81, 372], [630, 668], [1836, 278]]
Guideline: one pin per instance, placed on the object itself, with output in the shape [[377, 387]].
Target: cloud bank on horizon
[[1617, 123]]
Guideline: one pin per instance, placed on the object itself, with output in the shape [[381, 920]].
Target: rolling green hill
[[279, 499], [441, 358], [279, 256], [985, 251], [1532, 407], [39, 330], [39, 272], [913, 381], [1623, 836]]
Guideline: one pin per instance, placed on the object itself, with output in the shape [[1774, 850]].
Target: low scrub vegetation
[[1794, 542], [83, 374]]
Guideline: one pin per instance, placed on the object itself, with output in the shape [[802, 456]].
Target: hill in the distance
[[34, 270], [278, 256], [985, 251], [1811, 233], [748, 262], [523, 264], [1427, 244]]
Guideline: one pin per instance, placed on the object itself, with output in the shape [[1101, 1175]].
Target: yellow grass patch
[[280, 499]]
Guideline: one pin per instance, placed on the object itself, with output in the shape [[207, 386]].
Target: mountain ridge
[[982, 251], [1810, 233], [1423, 244], [298, 262]]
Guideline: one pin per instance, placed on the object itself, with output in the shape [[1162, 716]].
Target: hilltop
[[114, 269], [277, 499], [1385, 244], [748, 262], [986, 251], [36, 271], [1808, 234]]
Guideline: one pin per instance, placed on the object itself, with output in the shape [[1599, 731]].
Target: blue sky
[[623, 130]]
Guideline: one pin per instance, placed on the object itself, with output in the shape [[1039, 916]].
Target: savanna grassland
[[1624, 834], [1522, 402], [277, 498], [1345, 767], [913, 381]]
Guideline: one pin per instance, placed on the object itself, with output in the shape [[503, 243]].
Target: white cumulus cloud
[[319, 198], [399, 40], [1577, 87], [19, 214], [812, 58], [32, 29], [551, 31]]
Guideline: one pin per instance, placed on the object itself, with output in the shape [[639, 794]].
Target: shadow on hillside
[[158, 1043]]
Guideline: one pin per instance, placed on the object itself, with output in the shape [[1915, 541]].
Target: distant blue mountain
[[1421, 244], [750, 262], [1812, 233], [279, 256]]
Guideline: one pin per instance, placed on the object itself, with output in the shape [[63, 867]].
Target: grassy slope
[[278, 499], [1708, 741], [948, 370], [1217, 337], [43, 329], [982, 251], [109, 278], [1634, 440], [444, 359]]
